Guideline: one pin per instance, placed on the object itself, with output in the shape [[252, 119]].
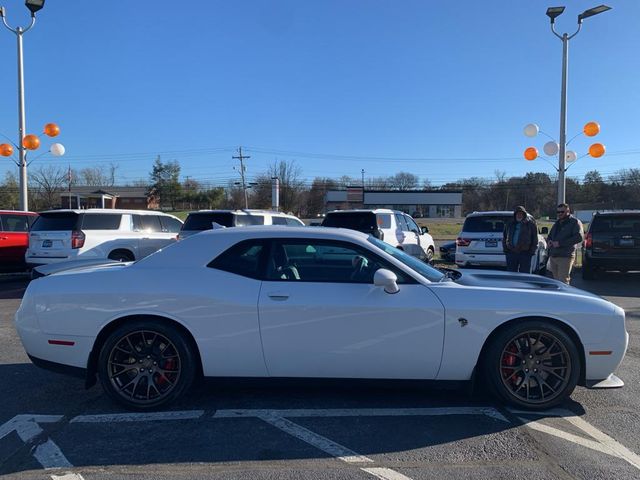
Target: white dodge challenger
[[316, 303]]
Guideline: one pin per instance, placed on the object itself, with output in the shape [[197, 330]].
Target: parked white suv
[[123, 235], [205, 219], [480, 242], [392, 226]]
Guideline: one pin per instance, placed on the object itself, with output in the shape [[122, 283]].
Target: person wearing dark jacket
[[565, 234], [520, 241]]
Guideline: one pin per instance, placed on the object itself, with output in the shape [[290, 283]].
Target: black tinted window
[[278, 220], [485, 223], [170, 224], [292, 222], [95, 221], [14, 223], [616, 224], [361, 221], [63, 221], [241, 259], [203, 221], [402, 223]]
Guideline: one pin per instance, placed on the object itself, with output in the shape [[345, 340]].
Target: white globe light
[[571, 156], [551, 148], [531, 130], [57, 149]]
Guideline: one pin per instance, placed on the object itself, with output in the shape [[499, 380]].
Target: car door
[[418, 243], [14, 239], [408, 240], [150, 236], [321, 316]]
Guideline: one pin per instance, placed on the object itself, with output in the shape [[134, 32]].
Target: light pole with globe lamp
[[553, 13], [33, 6]]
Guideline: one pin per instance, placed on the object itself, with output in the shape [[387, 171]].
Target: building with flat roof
[[417, 203]]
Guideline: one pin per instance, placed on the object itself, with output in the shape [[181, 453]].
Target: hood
[[524, 281]]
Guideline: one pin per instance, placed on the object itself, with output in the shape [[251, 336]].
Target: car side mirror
[[387, 279], [424, 229], [544, 230]]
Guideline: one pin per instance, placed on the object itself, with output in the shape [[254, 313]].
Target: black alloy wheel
[[532, 364], [143, 365]]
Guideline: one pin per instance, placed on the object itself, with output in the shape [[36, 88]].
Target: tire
[[430, 255], [121, 256], [143, 365], [530, 377]]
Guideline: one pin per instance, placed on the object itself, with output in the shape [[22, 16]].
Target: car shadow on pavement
[[614, 284], [213, 438], [12, 286]]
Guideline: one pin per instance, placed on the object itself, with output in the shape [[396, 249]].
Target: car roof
[[366, 210], [280, 231], [619, 212], [248, 211], [492, 212], [108, 210]]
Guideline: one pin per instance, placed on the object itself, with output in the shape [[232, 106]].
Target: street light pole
[[33, 6], [553, 13]]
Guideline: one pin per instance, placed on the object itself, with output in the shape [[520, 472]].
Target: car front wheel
[[144, 364], [532, 364]]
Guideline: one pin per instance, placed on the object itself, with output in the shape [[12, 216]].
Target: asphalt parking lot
[[52, 428]]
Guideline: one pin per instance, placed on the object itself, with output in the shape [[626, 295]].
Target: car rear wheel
[[145, 364], [532, 364], [588, 272], [430, 255], [121, 256]]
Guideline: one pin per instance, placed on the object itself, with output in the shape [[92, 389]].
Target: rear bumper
[[613, 263], [488, 259]]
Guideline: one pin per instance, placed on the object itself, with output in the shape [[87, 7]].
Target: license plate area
[[491, 243], [626, 242], [47, 244]]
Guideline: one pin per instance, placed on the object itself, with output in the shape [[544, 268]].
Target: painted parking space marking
[[364, 412], [67, 476], [601, 443], [138, 417]]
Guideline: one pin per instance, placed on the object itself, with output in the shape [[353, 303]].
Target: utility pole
[[363, 179], [242, 170]]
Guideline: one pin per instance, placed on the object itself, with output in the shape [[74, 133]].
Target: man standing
[[520, 241], [565, 234]]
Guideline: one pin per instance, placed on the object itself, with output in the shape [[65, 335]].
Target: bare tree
[[49, 181], [404, 181], [99, 176], [291, 184]]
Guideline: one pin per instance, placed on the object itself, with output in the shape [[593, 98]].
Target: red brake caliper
[[509, 361], [170, 364]]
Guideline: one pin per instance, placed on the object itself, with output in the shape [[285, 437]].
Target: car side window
[[107, 221], [325, 261], [278, 220], [170, 224], [402, 224], [147, 223], [294, 222], [413, 226], [244, 258], [14, 223]]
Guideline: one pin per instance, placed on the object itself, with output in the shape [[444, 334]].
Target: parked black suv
[[612, 243]]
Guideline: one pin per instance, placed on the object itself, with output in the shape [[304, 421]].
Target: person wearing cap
[[520, 241], [562, 241]]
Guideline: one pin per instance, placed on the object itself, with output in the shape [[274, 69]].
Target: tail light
[[77, 239], [462, 242], [588, 241]]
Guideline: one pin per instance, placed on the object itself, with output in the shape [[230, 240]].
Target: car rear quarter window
[[14, 223], [616, 224], [278, 220], [361, 221], [170, 224], [384, 220], [248, 220], [485, 223], [147, 223], [197, 222], [244, 258], [294, 222], [56, 221], [97, 221]]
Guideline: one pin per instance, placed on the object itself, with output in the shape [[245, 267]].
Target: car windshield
[[428, 272], [204, 221], [616, 224], [361, 221], [486, 223]]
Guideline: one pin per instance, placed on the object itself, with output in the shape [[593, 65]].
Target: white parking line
[[67, 476], [604, 443], [365, 412], [385, 474], [138, 417]]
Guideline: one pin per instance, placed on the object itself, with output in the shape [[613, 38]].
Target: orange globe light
[[31, 142], [591, 129], [596, 150], [52, 130], [531, 153], [6, 150]]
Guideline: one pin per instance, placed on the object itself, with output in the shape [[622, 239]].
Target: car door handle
[[277, 296]]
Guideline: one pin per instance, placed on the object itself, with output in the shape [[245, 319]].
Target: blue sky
[[439, 89]]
